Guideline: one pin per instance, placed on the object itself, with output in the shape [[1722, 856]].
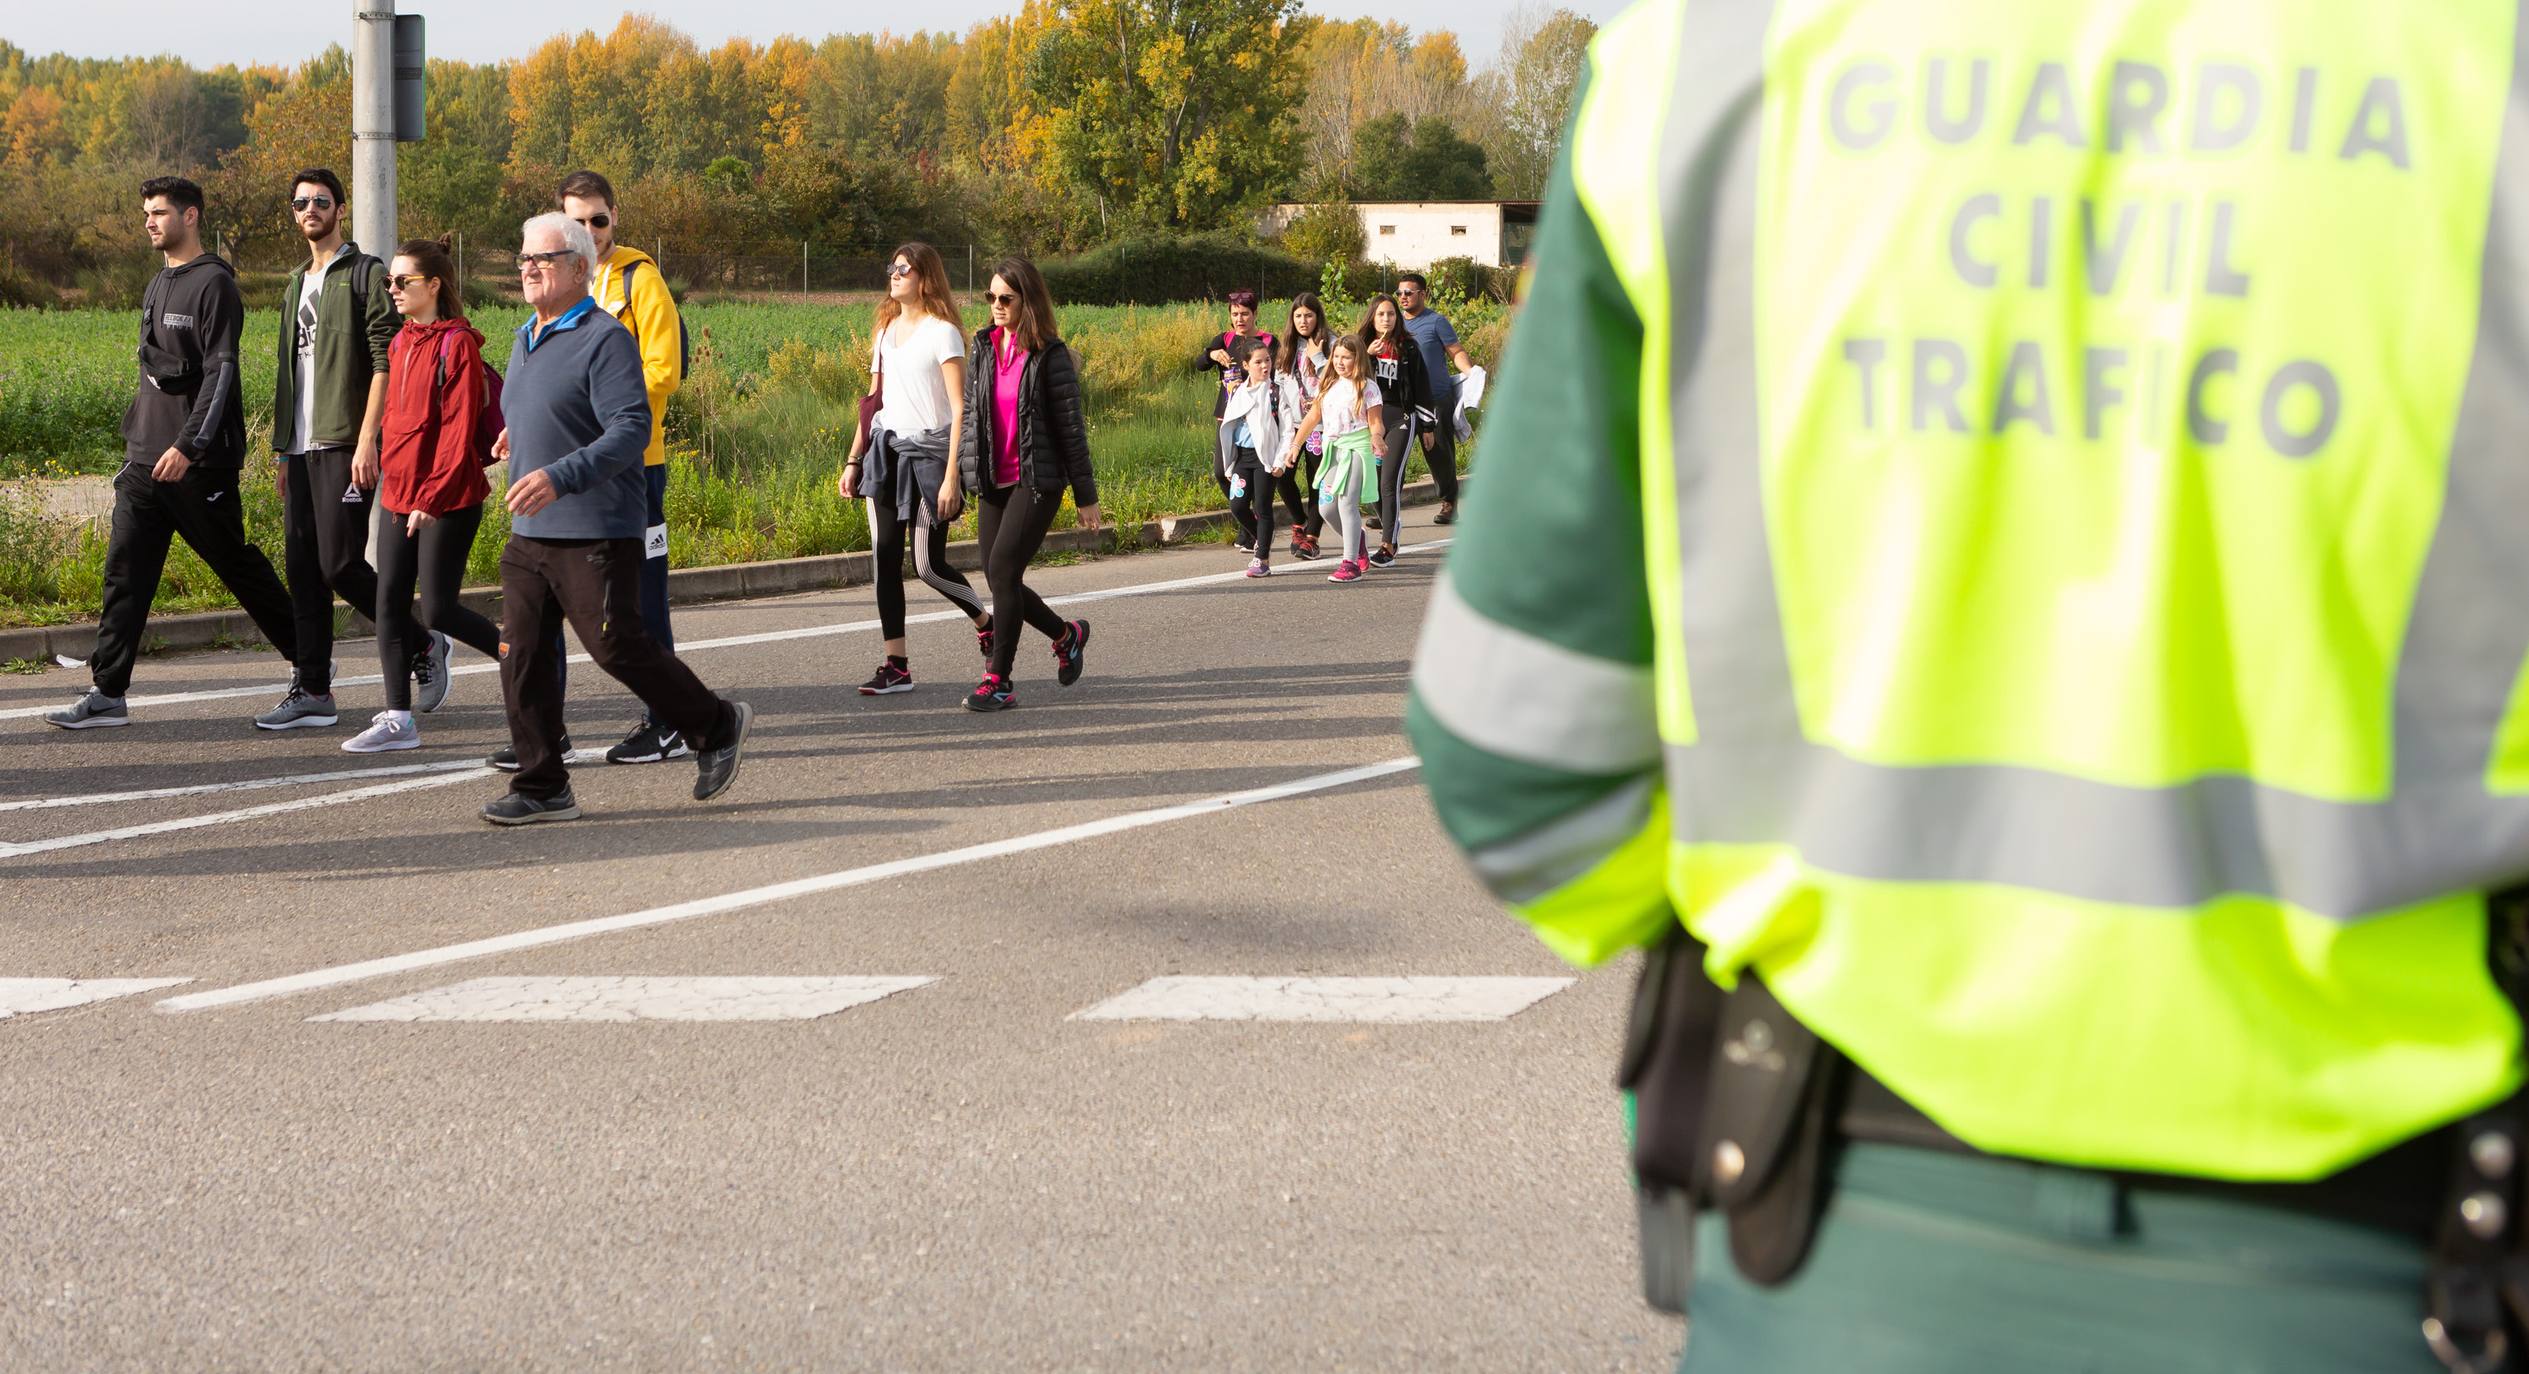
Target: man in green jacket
[[328, 400]]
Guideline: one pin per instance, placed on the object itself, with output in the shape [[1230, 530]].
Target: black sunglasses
[[1001, 298], [319, 202], [599, 221]]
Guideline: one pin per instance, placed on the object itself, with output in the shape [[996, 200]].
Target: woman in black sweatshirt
[[1024, 443], [1396, 364]]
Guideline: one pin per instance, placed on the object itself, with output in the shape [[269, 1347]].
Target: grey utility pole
[[373, 126]]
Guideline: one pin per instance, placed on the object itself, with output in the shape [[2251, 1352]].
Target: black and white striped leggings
[[930, 563]]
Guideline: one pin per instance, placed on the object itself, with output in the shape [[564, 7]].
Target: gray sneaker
[[387, 730], [300, 710], [90, 712], [430, 674]]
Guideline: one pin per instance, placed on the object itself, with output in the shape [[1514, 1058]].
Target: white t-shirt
[[307, 361], [916, 398], [1346, 406]]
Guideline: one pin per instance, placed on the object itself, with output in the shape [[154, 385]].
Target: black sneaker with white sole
[[648, 743], [887, 681], [90, 712], [505, 758], [715, 769], [520, 809]]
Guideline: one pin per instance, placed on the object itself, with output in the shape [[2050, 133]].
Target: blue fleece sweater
[[579, 413]]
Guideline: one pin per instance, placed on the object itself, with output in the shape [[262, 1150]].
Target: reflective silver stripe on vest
[[1510, 693], [1753, 777], [1523, 869]]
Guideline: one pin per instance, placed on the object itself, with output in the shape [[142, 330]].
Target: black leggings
[[1011, 527], [1400, 446], [1299, 492], [1254, 504], [930, 563], [434, 560]]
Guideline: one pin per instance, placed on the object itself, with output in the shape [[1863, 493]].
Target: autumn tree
[[1167, 113], [1540, 67], [305, 124]]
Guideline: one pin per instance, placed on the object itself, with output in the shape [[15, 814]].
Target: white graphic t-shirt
[[308, 292]]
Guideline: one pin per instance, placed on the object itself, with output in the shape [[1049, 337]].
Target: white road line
[[1383, 1000], [633, 999], [777, 892], [696, 646], [133, 832], [23, 996], [241, 785]]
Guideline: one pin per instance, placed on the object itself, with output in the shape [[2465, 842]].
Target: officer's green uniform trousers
[[1931, 1263]]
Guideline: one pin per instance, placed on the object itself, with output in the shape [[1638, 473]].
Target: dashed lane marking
[[25, 996], [696, 646], [777, 892], [1379, 1000], [633, 999]]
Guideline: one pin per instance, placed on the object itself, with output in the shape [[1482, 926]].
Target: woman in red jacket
[[432, 488]]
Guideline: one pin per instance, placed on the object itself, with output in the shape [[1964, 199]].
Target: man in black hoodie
[[184, 439]]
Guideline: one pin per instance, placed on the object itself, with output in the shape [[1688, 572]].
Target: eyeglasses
[[1001, 298], [404, 281], [1404, 291], [527, 260], [317, 202], [599, 221], [897, 269]]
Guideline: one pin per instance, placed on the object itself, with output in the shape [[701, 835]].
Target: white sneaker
[[387, 730]]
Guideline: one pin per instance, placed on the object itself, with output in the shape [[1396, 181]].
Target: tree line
[[1071, 124]]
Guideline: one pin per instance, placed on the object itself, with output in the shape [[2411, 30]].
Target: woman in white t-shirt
[[905, 462]]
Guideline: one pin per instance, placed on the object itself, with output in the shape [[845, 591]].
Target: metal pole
[[373, 125], [803, 269]]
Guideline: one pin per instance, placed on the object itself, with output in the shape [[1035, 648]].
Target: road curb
[[728, 582]]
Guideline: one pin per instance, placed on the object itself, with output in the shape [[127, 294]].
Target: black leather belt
[[2398, 1190]]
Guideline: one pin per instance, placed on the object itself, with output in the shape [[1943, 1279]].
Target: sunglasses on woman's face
[[404, 282], [897, 269], [1001, 298]]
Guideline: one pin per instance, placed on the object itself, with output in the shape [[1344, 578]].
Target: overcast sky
[[287, 31]]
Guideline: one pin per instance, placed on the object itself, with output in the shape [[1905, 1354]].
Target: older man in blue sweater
[[579, 419]]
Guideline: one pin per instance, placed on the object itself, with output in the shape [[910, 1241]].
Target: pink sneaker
[[1259, 568], [1346, 571]]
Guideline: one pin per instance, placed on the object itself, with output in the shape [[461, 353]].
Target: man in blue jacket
[[579, 420]]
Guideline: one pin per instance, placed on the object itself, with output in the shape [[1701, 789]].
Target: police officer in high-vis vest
[[2005, 567]]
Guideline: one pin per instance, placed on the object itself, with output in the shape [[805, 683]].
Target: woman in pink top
[[1023, 444]]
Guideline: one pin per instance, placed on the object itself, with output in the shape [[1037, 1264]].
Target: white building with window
[[1417, 233]]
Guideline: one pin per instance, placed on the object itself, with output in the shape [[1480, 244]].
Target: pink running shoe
[[1259, 568], [1346, 571]]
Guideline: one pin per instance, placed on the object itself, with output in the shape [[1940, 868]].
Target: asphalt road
[[962, 1173]]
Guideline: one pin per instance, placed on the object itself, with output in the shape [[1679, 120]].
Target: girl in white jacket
[[1255, 422]]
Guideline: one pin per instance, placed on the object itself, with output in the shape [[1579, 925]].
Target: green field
[[756, 436]]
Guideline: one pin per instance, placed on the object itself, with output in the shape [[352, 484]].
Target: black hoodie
[[189, 397]]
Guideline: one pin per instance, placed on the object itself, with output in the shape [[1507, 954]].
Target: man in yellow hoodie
[[627, 285]]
